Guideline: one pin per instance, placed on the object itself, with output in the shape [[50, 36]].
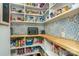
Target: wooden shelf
[[68, 13], [15, 36], [69, 45]]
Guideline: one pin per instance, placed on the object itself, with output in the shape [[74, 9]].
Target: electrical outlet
[[63, 34], [78, 33]]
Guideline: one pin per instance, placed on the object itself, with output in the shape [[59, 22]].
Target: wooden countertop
[[70, 45], [15, 36]]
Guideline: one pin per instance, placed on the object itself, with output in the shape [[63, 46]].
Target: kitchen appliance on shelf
[[32, 30]]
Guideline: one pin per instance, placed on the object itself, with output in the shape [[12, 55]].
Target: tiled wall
[[22, 28], [69, 26]]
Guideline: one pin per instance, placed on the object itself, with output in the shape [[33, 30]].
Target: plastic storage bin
[[29, 41]]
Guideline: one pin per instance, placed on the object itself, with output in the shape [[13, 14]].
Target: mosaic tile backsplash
[[69, 26]]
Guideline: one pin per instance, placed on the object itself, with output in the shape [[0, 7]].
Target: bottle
[[11, 30], [17, 43]]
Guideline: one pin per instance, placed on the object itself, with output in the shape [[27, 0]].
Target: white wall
[[4, 40]]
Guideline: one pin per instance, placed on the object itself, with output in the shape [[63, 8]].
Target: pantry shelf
[[33, 7], [26, 54], [26, 46], [49, 8], [49, 53], [69, 13], [26, 14], [15, 36], [34, 14], [69, 45], [31, 53], [16, 13], [18, 4], [27, 6], [28, 22]]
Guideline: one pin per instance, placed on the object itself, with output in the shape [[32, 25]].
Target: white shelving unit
[[27, 22], [71, 12], [17, 13], [32, 53], [65, 14], [46, 46], [23, 8], [26, 46], [28, 6], [26, 54], [26, 14]]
